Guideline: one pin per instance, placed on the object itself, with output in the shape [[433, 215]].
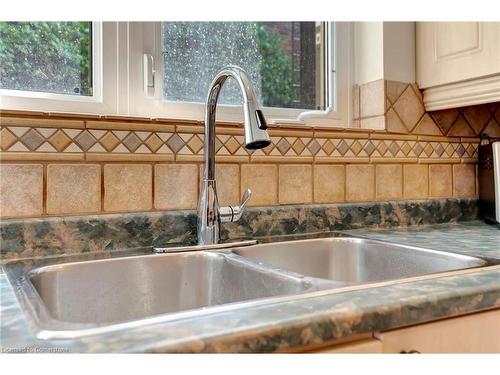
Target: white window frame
[[103, 98], [118, 49], [338, 113]]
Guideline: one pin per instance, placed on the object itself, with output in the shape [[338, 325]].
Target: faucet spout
[[256, 136]]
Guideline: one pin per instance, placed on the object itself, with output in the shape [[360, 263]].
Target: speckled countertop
[[292, 324]]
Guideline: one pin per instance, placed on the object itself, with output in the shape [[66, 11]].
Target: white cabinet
[[458, 63], [474, 333]]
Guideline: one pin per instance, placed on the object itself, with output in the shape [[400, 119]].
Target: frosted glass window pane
[[53, 57], [280, 57]]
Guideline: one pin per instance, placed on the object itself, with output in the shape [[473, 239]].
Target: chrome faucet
[[210, 215]]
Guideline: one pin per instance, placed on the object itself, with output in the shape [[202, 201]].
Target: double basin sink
[[75, 299]]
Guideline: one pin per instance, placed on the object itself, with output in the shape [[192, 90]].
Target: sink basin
[[356, 260], [97, 293], [69, 299]]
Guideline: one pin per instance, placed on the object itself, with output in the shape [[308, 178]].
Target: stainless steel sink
[[68, 297], [356, 260], [80, 298]]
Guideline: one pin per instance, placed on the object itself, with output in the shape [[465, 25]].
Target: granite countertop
[[311, 320]]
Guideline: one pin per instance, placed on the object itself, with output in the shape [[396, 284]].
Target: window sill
[[333, 125]]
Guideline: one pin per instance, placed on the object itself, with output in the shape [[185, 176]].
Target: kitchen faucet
[[210, 215]]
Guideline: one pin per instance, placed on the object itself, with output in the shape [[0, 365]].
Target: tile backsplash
[[398, 108], [60, 164]]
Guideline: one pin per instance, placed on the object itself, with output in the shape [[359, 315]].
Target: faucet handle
[[233, 213], [245, 198]]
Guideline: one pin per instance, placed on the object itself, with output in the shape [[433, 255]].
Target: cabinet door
[[449, 52], [476, 333]]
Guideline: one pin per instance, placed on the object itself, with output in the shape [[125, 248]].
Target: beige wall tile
[[329, 183], [464, 180], [427, 126], [228, 183], [461, 128], [394, 123], [395, 89], [262, 179], [176, 186], [416, 181], [440, 180], [295, 184], [389, 181], [73, 188], [128, 187], [360, 182], [372, 98], [409, 108], [21, 190]]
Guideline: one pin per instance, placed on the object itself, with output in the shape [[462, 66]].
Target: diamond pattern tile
[[175, 143], [154, 142], [343, 147], [382, 148], [394, 90], [470, 150], [356, 147], [445, 118], [232, 145], [428, 150], [298, 146], [195, 144], [85, 140], [477, 116], [406, 148], [393, 148], [369, 148], [267, 150], [187, 143], [314, 147], [32, 139], [7, 139], [328, 147], [492, 129], [409, 108], [404, 105], [132, 142], [461, 150], [418, 149], [109, 141], [218, 144], [439, 149], [449, 150], [60, 140], [283, 146]]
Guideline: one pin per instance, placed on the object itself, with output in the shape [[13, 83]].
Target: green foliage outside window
[[50, 57], [276, 69]]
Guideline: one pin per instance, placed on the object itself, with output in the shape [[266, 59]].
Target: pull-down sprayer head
[[254, 122]]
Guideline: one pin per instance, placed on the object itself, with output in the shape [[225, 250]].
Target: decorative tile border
[[77, 234], [19, 140]]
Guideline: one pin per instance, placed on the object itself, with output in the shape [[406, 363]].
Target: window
[[163, 69], [282, 59], [52, 57]]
